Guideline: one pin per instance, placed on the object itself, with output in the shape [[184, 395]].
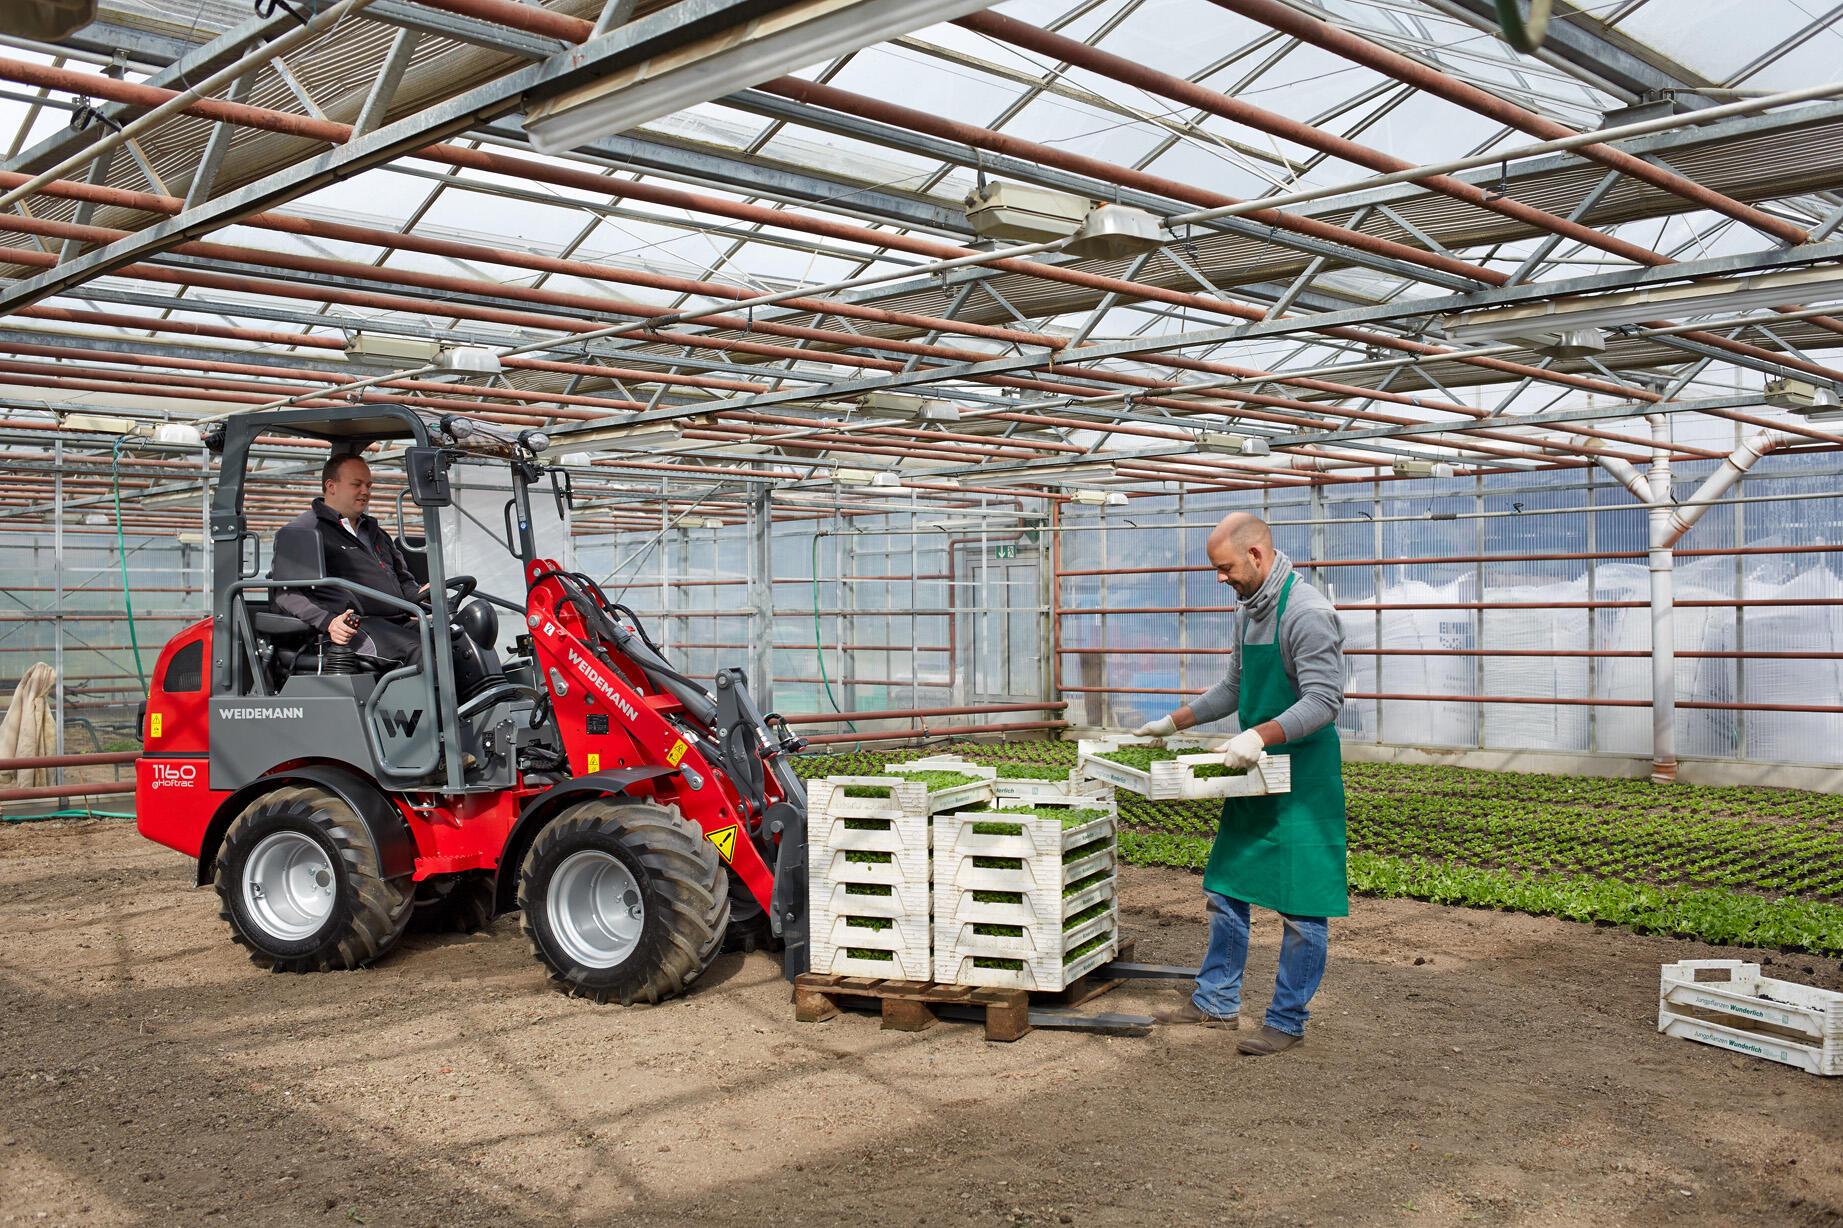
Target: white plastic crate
[[906, 797], [1027, 792], [1030, 909], [1041, 853], [1171, 780], [1740, 1010], [1045, 972], [893, 962]]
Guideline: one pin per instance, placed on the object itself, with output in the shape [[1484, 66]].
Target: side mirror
[[563, 491], [428, 474]]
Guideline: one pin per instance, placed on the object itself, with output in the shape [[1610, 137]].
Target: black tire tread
[[688, 887]]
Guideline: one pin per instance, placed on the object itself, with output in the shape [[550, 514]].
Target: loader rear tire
[[300, 882], [623, 901]]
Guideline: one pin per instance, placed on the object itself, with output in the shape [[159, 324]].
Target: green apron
[[1284, 851]]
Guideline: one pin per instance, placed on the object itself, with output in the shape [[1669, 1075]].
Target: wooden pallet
[[912, 1006]]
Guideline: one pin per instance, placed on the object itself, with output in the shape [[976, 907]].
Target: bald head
[[1240, 548]]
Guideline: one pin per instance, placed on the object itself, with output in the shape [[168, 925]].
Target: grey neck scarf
[[1267, 597]]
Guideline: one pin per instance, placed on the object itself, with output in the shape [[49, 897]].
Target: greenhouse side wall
[[1506, 612]]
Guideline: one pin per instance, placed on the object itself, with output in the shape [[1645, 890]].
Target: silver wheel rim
[[594, 909], [289, 886]]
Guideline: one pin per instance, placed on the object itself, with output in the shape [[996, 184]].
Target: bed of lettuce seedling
[[1087, 914], [870, 953], [1082, 948], [868, 923]]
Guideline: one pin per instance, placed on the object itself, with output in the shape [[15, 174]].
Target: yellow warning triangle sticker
[[725, 840]]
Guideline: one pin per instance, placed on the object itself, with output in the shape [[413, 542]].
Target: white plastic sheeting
[[1421, 723]]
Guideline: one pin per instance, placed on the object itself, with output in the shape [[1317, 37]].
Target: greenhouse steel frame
[[203, 215]]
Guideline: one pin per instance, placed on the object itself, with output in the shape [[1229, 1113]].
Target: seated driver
[[335, 538]]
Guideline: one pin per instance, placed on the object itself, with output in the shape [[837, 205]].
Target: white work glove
[[1242, 751], [1163, 727]]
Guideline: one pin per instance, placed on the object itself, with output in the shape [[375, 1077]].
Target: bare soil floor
[[1463, 1067]]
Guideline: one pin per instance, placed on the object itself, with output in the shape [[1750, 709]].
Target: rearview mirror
[[428, 475]]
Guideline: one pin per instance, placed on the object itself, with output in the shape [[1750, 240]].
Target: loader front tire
[[623, 901]]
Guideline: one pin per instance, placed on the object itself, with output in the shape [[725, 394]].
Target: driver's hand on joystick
[[344, 628]]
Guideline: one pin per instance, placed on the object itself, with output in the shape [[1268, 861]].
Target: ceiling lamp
[[1099, 498], [182, 433], [735, 58], [1813, 402], [904, 407], [1232, 445], [853, 477], [1115, 232], [1792, 287], [1405, 468], [464, 362], [103, 424], [643, 438], [1024, 213], [1570, 343], [371, 347], [886, 481]]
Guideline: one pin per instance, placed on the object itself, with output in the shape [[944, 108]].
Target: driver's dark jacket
[[315, 545]]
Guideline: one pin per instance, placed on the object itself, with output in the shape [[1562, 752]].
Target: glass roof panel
[[1715, 38]]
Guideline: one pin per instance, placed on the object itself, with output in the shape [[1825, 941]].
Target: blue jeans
[[1302, 964]]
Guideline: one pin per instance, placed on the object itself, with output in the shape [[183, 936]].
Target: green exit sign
[[1006, 552]]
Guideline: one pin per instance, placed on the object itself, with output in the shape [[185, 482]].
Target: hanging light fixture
[[1115, 232]]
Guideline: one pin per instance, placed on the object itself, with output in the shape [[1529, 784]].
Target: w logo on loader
[[399, 724]]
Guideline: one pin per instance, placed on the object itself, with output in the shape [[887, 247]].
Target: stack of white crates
[[1023, 901], [870, 873]]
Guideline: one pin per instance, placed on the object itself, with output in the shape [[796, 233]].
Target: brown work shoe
[[1191, 1013], [1268, 1040]]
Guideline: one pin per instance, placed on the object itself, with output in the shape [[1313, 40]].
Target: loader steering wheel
[[462, 587]]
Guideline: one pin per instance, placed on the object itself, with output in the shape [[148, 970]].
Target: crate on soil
[[1728, 1004], [1177, 779], [1024, 900]]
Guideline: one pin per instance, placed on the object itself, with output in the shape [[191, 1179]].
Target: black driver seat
[[289, 647]]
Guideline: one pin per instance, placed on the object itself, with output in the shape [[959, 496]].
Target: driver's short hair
[[329, 472]]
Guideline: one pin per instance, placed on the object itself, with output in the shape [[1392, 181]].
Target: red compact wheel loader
[[635, 818]]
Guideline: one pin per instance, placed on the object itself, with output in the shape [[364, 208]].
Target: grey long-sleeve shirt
[[1311, 649]]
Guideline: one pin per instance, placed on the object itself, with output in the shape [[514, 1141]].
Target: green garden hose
[[818, 646], [121, 554]]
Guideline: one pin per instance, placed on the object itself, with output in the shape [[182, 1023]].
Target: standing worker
[[1284, 851]]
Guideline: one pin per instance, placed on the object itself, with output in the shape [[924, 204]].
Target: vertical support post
[[1480, 711], [1375, 533], [57, 618], [1738, 745], [761, 599], [204, 524], [1593, 612], [1663, 612]]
